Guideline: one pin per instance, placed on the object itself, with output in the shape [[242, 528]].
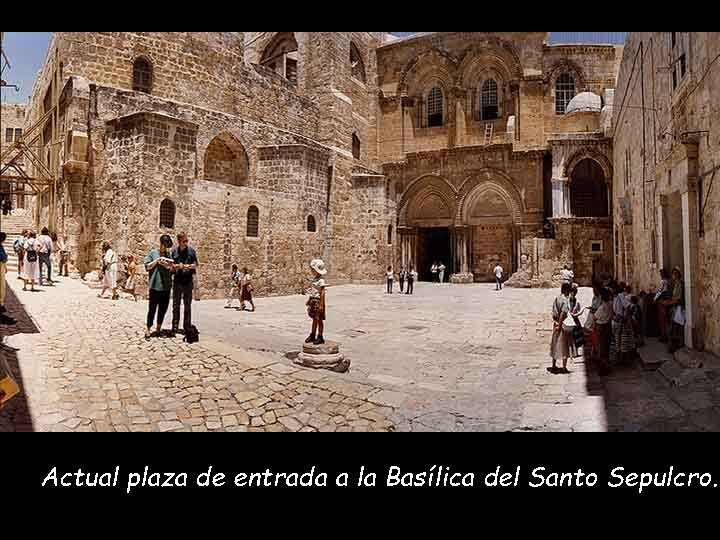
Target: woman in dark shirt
[[158, 264]]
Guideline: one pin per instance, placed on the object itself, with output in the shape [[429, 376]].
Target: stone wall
[[664, 158]]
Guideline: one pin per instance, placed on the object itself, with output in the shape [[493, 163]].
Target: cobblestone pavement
[[450, 358]]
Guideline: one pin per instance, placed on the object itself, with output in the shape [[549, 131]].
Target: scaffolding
[[23, 153]]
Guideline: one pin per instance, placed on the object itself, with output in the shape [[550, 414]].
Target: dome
[[584, 102]]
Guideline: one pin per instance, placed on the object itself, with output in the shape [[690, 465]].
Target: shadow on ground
[[15, 415]]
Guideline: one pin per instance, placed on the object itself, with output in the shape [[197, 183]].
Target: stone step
[[653, 354]]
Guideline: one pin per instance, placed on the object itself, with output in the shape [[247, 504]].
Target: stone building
[[666, 156], [12, 122], [272, 148]]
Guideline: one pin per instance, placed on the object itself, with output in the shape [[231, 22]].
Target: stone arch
[[422, 195], [226, 160], [588, 153], [432, 64], [566, 65], [280, 55], [488, 181], [143, 74], [497, 56]]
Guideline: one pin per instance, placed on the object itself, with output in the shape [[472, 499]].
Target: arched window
[[355, 146], [226, 161], [564, 92], [167, 214], [435, 107], [489, 95], [281, 56], [311, 224], [389, 235], [357, 66], [142, 75], [253, 221]]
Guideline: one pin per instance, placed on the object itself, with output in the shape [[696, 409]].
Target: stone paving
[[449, 358]]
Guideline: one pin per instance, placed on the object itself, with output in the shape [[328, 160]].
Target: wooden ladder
[[488, 133]]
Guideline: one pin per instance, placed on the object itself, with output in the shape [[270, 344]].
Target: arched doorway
[[588, 190], [492, 237]]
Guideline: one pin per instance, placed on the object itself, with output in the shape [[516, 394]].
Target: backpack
[[192, 335], [18, 245], [31, 253]]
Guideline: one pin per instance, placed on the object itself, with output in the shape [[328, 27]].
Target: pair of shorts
[[316, 309]]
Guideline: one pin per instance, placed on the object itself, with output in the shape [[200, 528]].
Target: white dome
[[584, 102]]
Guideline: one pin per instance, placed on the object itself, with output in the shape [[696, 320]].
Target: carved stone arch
[[477, 184], [422, 188], [225, 159], [589, 153], [482, 57], [433, 63], [567, 66]]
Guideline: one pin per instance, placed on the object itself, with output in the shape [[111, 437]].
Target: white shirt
[[603, 313], [441, 268], [567, 275], [316, 285], [390, 274], [498, 271], [45, 243]]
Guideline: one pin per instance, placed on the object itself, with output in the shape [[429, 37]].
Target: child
[[389, 279], [235, 280], [316, 302], [131, 269]]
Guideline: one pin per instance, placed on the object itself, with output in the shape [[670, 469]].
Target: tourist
[[635, 315], [316, 302], [55, 256], [184, 267], [623, 341], [19, 248], [158, 265], [676, 306], [235, 280], [662, 298], [602, 322], [44, 253], [64, 255], [131, 271], [567, 275], [559, 347], [246, 290], [498, 271], [31, 263], [571, 324], [433, 271], [4, 318], [441, 272], [590, 328], [389, 276], [109, 271], [411, 278], [401, 277]]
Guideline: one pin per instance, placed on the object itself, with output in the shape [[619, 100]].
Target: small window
[[311, 227], [167, 214], [357, 66], [356, 146], [253, 221], [142, 75], [564, 92], [435, 107], [389, 235], [489, 100], [18, 134], [596, 246], [9, 135]]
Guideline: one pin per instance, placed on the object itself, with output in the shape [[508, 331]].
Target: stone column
[[461, 245], [689, 198], [561, 197]]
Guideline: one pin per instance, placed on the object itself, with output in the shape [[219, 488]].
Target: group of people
[[438, 272], [37, 253], [111, 269], [409, 275], [241, 286], [613, 329]]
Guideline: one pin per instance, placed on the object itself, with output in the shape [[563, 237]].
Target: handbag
[[679, 316]]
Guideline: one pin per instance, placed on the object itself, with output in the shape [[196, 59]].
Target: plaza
[[448, 358]]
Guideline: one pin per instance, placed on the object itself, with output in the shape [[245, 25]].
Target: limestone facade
[[271, 148], [666, 156], [12, 123]]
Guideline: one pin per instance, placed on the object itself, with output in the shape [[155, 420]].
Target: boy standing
[[316, 302], [498, 271]]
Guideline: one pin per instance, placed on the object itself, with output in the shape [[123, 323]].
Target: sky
[[26, 53]]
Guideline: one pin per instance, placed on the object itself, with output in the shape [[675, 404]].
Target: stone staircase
[[13, 226]]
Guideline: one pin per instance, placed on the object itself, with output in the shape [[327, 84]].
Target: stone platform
[[324, 356]]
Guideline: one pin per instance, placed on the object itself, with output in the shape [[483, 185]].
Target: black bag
[[31, 254], [192, 335]]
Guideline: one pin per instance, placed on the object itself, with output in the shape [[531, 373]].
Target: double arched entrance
[[469, 228]]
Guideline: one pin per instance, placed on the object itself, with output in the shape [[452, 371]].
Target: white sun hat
[[319, 266]]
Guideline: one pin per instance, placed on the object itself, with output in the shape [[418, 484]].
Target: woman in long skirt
[[623, 337], [110, 271], [31, 268], [559, 345]]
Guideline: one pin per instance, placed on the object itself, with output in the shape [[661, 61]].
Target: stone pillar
[[460, 115], [690, 216], [561, 197], [461, 275], [407, 254]]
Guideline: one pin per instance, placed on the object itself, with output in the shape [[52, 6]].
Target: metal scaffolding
[[24, 153]]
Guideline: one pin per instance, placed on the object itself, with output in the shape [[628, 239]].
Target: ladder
[[488, 133]]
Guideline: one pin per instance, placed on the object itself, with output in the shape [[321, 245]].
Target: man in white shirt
[[44, 254], [567, 275], [498, 271]]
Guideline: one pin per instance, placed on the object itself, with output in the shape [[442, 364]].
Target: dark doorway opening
[[433, 246]]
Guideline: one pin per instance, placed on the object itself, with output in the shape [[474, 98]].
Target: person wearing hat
[[316, 302]]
